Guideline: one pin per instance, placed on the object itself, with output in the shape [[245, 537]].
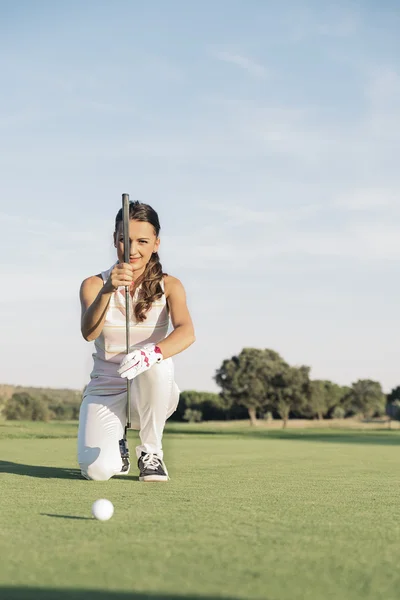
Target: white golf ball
[[102, 509]]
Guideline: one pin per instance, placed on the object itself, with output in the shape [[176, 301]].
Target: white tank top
[[110, 346]]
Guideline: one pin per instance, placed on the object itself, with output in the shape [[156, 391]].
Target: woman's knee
[[98, 471], [96, 465]]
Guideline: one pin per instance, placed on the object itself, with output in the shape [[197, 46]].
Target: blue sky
[[265, 134]]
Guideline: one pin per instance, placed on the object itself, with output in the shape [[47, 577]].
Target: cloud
[[383, 87], [333, 23], [253, 68], [242, 215], [355, 225], [363, 242], [343, 27], [284, 245], [41, 286], [43, 228], [52, 257], [368, 199]]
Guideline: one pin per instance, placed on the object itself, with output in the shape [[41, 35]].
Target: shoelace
[[152, 461]]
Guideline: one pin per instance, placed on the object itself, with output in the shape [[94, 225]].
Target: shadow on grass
[[20, 593], [39, 471], [379, 437], [50, 472], [66, 517]]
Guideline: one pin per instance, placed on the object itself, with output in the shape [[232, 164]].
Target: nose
[[133, 249]]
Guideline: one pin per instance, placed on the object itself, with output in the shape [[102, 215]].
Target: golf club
[[124, 442]]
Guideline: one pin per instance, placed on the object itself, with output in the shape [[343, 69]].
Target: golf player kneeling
[[156, 298]]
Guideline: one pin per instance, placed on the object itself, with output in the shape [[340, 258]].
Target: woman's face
[[143, 242]]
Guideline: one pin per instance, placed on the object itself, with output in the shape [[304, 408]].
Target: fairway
[[249, 513]]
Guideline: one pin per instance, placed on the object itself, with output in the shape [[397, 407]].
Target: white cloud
[[331, 22], [249, 65], [383, 87], [382, 92], [19, 224], [343, 27], [368, 199], [242, 215], [284, 241]]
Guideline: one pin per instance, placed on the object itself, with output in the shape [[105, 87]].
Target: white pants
[[102, 419]]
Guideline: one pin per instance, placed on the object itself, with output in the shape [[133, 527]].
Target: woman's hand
[[121, 275], [140, 360]]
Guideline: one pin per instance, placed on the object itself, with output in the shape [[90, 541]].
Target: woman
[[155, 298]]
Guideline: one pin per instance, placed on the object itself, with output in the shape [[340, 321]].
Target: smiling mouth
[[132, 259]]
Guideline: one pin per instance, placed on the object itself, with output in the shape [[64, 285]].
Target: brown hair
[[151, 289]]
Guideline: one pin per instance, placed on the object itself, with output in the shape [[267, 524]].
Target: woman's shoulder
[[99, 279], [92, 281], [171, 283]]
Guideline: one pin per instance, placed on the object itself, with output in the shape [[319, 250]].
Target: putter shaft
[[125, 217]]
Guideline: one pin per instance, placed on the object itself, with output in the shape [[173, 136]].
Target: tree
[[393, 404], [251, 379], [23, 407], [393, 410], [317, 404], [292, 390], [248, 379], [366, 397], [324, 397], [393, 395]]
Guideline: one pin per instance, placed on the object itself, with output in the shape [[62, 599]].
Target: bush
[[23, 407], [64, 412], [338, 412], [2, 404], [210, 406], [192, 416], [380, 411]]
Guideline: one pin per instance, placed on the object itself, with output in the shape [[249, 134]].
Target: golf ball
[[102, 509]]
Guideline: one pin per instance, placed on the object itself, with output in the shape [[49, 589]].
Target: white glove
[[140, 360]]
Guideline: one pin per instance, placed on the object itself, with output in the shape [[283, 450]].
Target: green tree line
[[255, 384], [39, 404]]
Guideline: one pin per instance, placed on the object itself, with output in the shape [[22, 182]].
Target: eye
[[143, 241]]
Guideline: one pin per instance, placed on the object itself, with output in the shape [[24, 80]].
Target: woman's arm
[[94, 304], [95, 298], [183, 334]]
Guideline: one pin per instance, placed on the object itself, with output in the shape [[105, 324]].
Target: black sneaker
[[124, 450], [152, 468]]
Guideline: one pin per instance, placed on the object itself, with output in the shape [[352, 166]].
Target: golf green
[[248, 513]]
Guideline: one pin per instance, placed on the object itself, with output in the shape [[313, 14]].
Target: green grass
[[249, 513]]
